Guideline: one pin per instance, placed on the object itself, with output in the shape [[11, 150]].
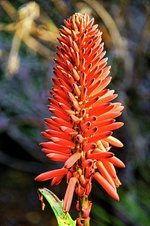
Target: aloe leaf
[[63, 219]]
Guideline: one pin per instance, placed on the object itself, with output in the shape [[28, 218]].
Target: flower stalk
[[80, 132], [85, 208]]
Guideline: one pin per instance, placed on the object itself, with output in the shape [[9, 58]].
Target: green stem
[[85, 208]]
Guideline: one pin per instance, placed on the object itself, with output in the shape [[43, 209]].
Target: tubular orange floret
[[108, 188], [69, 194], [57, 157], [50, 174], [101, 155], [105, 173], [116, 162], [72, 160], [114, 141]]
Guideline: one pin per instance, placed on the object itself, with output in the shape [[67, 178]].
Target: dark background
[[28, 40]]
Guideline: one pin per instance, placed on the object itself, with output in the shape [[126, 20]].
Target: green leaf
[[63, 219]]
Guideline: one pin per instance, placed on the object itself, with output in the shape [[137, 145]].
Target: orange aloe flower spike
[[80, 130]]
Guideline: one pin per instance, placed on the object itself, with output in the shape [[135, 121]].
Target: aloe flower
[[80, 132]]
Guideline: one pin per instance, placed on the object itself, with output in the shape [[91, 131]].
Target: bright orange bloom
[[80, 131]]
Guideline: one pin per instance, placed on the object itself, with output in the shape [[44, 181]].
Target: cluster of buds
[[80, 131]]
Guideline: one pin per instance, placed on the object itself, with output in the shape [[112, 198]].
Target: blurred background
[[28, 40]]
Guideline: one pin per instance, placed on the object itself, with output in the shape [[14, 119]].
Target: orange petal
[[117, 181], [71, 97], [51, 124], [110, 168], [85, 125], [114, 141], [84, 94], [59, 134], [69, 194], [108, 115], [91, 131], [99, 94], [59, 113], [64, 152], [113, 126], [77, 89], [79, 138], [75, 119], [68, 130], [99, 136], [105, 99], [58, 98], [89, 146], [94, 85], [104, 83], [100, 155], [108, 188], [105, 72], [100, 109], [63, 142], [117, 162], [103, 122], [70, 162], [50, 174], [105, 173], [57, 157], [75, 74], [52, 145]]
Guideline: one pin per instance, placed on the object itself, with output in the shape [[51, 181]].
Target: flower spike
[[80, 132]]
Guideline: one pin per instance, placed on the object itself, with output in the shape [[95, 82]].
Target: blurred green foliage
[[26, 62]]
